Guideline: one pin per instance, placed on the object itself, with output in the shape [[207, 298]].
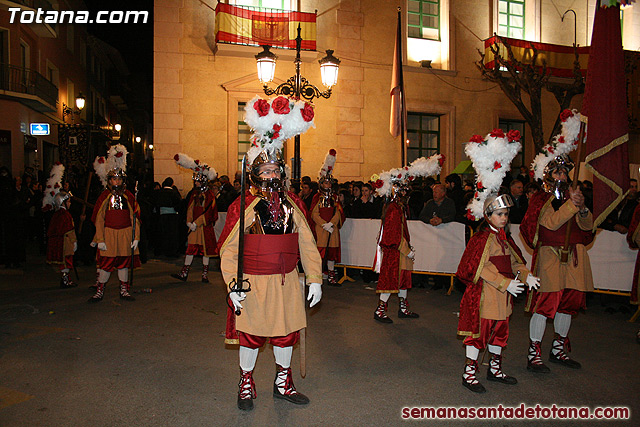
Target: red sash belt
[[117, 218], [556, 238], [326, 213], [266, 254], [503, 264]]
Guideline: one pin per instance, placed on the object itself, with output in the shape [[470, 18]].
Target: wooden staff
[[564, 252]]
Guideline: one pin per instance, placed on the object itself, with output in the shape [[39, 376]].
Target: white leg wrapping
[[402, 293], [495, 349], [283, 355], [562, 323], [331, 265], [472, 352], [64, 270], [248, 357], [188, 259], [384, 297], [205, 259], [103, 277], [123, 274], [537, 326]]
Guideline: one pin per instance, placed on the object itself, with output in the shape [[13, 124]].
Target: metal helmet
[[60, 198], [268, 184], [493, 202], [117, 173], [549, 183], [202, 179]]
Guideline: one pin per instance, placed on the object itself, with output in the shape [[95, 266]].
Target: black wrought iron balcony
[[18, 80]]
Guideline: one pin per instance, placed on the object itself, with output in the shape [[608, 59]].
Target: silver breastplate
[[116, 202], [326, 201], [273, 218]]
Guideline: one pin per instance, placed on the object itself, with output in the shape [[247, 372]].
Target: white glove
[[134, 245], [515, 287], [533, 282], [236, 297], [412, 256], [328, 227], [93, 244], [102, 246], [75, 246], [192, 226], [315, 293]]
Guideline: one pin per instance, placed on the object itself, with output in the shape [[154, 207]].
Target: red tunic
[[394, 242], [61, 224], [204, 213]]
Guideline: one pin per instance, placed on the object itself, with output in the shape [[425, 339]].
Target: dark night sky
[[134, 41]]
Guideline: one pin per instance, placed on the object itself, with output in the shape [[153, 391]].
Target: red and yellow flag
[[241, 25]]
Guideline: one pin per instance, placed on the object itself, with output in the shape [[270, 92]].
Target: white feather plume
[[564, 143], [421, 167], [195, 165], [491, 157], [100, 166], [328, 165], [54, 185]]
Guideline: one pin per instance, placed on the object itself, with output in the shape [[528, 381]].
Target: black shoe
[[334, 284], [67, 286], [409, 315], [476, 388], [504, 380], [93, 300], [382, 319], [538, 368], [245, 404], [569, 363], [205, 280], [295, 397], [179, 277], [127, 297]]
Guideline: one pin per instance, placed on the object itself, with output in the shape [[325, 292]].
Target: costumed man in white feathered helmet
[[61, 234], [113, 216], [492, 266], [327, 216], [276, 235], [395, 255], [202, 214], [565, 278]]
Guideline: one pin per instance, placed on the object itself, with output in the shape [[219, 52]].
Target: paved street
[[161, 360]]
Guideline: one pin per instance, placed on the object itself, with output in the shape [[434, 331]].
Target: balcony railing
[[24, 80], [255, 26]]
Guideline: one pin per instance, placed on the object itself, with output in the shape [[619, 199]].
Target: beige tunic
[[321, 233], [272, 309], [495, 303], [118, 241], [553, 275]]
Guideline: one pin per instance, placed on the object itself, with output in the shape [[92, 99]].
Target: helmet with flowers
[[272, 122], [325, 175], [112, 166], [202, 173], [54, 196], [491, 156], [555, 155], [395, 183]]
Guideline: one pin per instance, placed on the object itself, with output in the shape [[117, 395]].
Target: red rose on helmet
[[262, 107], [513, 135], [101, 160], [378, 183], [470, 215], [280, 105], [531, 173], [307, 113], [119, 154], [561, 139], [332, 152], [275, 135], [565, 115], [497, 165], [441, 159], [176, 157], [277, 127], [550, 149], [497, 133], [479, 185], [477, 138]]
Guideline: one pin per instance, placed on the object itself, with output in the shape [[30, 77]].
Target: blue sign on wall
[[39, 128]]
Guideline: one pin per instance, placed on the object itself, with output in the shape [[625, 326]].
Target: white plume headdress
[[196, 166], [114, 164], [561, 144], [54, 185], [328, 165], [274, 121], [422, 167], [491, 156]]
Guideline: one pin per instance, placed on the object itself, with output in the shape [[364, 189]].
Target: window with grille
[[506, 125], [423, 133], [423, 19], [511, 18]]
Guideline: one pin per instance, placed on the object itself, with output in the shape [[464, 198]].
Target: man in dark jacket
[[167, 202]]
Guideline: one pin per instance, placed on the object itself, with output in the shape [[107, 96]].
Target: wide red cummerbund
[[503, 264], [117, 218], [327, 213], [556, 238], [270, 253]]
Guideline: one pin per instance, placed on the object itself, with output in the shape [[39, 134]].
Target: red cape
[[61, 223], [471, 265], [393, 229], [211, 216]]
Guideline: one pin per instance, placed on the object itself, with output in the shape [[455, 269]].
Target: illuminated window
[[423, 19], [423, 133], [511, 18]]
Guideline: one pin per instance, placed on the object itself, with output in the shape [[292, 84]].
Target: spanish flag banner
[[559, 59], [243, 25]]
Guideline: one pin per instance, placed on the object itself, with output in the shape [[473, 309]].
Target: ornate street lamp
[[68, 111], [297, 86]]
